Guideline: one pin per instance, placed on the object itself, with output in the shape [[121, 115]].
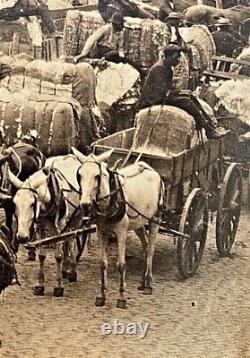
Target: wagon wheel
[[194, 223], [81, 241], [228, 213]]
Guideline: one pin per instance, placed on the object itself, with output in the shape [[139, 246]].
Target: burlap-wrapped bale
[[55, 120], [117, 93], [141, 39], [234, 96], [53, 78], [200, 37], [123, 88], [163, 130]]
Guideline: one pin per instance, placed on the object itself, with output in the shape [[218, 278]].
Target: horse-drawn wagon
[[197, 180]]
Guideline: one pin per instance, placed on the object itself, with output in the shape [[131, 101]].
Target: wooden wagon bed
[[173, 169]]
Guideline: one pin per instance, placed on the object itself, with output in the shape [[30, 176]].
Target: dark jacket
[[157, 85], [226, 43]]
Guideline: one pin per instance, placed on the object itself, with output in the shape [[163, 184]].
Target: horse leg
[[39, 288], [153, 230], [65, 263], [58, 289], [72, 275], [100, 299], [142, 234], [121, 266]]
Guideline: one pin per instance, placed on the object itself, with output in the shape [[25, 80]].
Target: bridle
[[34, 222], [117, 204]]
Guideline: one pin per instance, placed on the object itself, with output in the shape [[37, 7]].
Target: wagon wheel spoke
[[193, 222], [228, 213]]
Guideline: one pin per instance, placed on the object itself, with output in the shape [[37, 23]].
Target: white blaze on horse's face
[[91, 182], [26, 210]]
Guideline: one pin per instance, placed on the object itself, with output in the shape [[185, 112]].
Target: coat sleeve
[[155, 88]]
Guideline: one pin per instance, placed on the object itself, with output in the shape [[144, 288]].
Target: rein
[[118, 210]]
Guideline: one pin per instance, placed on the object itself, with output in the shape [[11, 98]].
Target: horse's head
[[92, 177], [31, 196]]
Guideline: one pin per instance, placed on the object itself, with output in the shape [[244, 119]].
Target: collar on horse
[[117, 204], [116, 208]]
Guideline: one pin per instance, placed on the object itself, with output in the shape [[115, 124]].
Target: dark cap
[[172, 49], [117, 18]]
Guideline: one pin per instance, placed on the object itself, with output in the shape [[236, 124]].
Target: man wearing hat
[[158, 89], [104, 42], [227, 42]]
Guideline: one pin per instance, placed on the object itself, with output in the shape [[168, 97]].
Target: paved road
[[205, 316]]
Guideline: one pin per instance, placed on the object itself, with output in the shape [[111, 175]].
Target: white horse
[[51, 194], [118, 202]]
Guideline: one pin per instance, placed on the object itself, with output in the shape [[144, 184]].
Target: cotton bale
[[163, 130]]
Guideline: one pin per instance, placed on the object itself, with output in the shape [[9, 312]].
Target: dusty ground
[[205, 316]]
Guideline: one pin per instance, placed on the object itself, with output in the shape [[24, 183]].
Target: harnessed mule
[[23, 160], [118, 202], [46, 197]]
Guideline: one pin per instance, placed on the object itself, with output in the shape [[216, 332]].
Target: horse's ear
[[104, 156], [14, 180], [78, 155]]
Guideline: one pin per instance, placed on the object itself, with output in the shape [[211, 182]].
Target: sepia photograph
[[124, 178]]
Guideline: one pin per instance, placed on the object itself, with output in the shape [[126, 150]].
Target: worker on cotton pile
[[104, 42]]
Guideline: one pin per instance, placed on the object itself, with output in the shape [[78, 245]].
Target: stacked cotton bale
[[163, 130], [53, 78], [46, 95], [141, 40], [201, 43], [117, 92], [52, 118], [234, 96]]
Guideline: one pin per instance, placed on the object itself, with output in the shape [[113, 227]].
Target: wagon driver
[[158, 89]]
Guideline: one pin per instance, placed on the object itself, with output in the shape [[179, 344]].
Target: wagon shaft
[[61, 237]]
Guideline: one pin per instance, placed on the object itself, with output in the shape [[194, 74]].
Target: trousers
[[192, 106]]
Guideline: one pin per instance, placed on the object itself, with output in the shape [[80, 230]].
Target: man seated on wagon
[[104, 42], [158, 89]]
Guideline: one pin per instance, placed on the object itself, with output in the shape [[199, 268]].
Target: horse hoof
[[141, 287], [58, 291], [64, 274], [121, 303], [39, 290], [148, 291], [31, 256], [72, 276], [100, 301]]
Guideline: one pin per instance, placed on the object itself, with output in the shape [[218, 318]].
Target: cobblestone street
[[205, 316]]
